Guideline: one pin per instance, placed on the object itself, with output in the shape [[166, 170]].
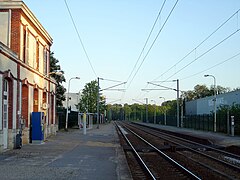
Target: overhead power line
[[194, 49], [140, 55], [219, 27], [222, 62], [155, 22], [206, 52], [154, 41], [79, 38]]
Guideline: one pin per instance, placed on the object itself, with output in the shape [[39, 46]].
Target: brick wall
[[25, 103], [15, 31], [10, 103]]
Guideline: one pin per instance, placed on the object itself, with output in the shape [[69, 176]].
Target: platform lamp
[[214, 101], [66, 125]]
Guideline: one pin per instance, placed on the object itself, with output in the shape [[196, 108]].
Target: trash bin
[[18, 141]]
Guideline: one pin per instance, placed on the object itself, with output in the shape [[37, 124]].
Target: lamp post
[[165, 114], [177, 100], [154, 111], [214, 101], [59, 73], [98, 99], [66, 125]]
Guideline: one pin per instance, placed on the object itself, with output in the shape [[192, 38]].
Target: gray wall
[[206, 105]]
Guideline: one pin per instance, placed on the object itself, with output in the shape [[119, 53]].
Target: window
[[5, 103], [37, 56], [45, 61], [4, 27], [24, 45]]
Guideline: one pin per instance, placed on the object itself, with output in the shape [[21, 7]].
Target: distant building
[[73, 101], [25, 86], [206, 105]]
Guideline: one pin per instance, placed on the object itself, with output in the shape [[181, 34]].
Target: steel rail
[[136, 154], [185, 170], [208, 167], [195, 143], [191, 149]]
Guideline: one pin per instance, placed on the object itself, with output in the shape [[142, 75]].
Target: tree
[[88, 99], [220, 89], [201, 91], [60, 90], [127, 111]]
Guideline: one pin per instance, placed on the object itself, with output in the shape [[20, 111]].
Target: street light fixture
[[214, 101], [59, 73], [66, 125]]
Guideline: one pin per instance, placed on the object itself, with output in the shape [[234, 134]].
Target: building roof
[[17, 4]]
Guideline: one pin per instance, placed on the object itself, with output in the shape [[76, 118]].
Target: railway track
[[204, 160], [152, 162]]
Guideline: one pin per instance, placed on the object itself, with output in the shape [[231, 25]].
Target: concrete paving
[[69, 155], [219, 139]]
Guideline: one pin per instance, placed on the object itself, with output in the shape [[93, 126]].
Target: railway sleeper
[[168, 148]]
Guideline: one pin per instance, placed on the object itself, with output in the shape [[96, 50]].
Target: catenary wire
[[153, 42], [79, 38], [140, 55], [219, 27], [218, 64], [194, 49], [155, 22], [206, 52]]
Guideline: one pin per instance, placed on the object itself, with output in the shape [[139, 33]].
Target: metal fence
[[201, 122], [72, 119], [206, 122]]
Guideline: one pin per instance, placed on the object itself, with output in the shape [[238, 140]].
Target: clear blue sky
[[114, 32]]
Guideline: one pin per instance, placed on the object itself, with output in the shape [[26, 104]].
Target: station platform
[[69, 155], [214, 138]]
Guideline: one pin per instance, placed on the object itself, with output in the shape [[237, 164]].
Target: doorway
[[5, 114]]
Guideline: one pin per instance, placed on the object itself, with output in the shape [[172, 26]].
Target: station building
[[25, 85]]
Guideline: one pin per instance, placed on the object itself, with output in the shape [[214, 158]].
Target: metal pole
[[232, 125], [182, 114], [154, 113], [215, 102], [165, 112], [84, 124], [98, 103], [154, 120], [135, 114], [177, 103], [228, 128], [215, 108], [146, 110], [66, 125], [165, 116]]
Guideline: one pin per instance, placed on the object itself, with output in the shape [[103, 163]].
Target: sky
[[114, 32]]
